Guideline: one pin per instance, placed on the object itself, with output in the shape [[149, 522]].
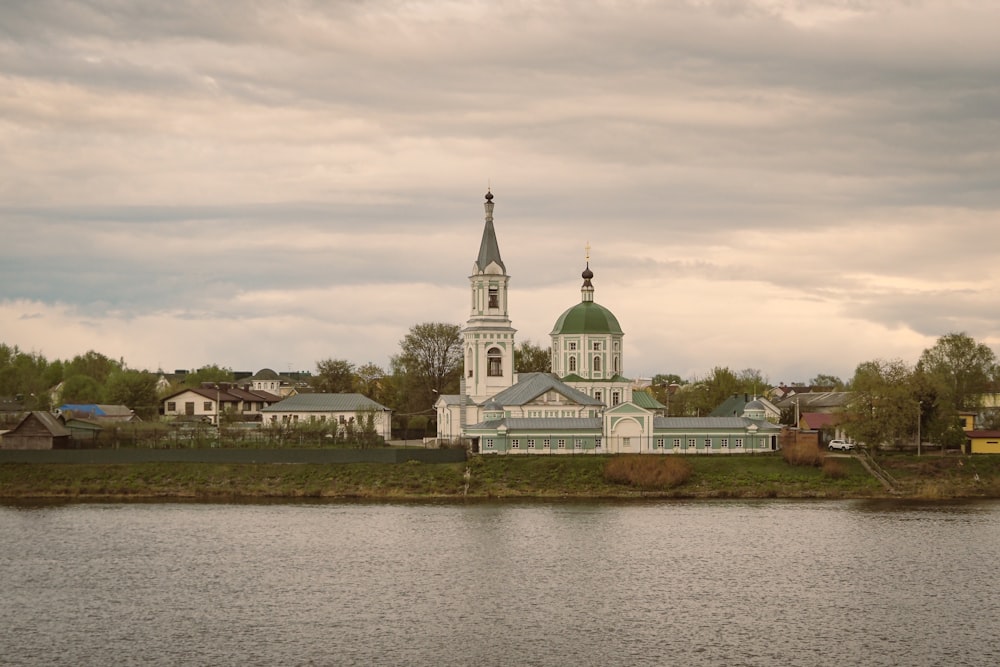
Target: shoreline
[[497, 479]]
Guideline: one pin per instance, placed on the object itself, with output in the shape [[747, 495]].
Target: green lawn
[[713, 476]]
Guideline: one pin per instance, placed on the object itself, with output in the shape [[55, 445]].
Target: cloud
[[774, 184]]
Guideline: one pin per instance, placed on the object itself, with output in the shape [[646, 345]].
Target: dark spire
[[489, 250], [587, 290]]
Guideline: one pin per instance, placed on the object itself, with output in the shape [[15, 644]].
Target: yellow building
[[983, 442], [979, 442]]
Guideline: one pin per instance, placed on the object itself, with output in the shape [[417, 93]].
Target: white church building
[[585, 405]]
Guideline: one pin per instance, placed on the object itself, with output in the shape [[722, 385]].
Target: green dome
[[587, 317]]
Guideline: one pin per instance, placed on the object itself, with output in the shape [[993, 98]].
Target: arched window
[[597, 364], [494, 297], [572, 364], [494, 362], [617, 369]]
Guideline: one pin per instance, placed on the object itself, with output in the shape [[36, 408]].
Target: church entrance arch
[[626, 436]]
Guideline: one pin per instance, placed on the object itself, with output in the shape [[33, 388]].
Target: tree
[[703, 395], [659, 389], [531, 358], [369, 379], [211, 373], [961, 369], [136, 389], [93, 365], [666, 379], [27, 375], [883, 407], [81, 389], [429, 364], [826, 380], [954, 374], [334, 376]]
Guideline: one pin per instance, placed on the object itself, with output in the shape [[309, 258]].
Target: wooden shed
[[37, 430]]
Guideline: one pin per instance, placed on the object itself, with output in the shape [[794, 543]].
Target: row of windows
[[554, 413], [596, 346], [515, 443], [596, 366], [207, 406], [692, 442]]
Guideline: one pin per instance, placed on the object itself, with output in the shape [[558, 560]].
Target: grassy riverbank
[[744, 476]]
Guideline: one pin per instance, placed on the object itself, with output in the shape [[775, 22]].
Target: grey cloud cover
[[791, 186]]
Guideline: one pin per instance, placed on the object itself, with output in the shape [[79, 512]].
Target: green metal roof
[[532, 385], [644, 400], [587, 317], [324, 403]]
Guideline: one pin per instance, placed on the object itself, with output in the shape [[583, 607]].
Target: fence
[[222, 455]]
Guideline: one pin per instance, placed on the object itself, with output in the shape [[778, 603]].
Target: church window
[[494, 365], [597, 346], [597, 443], [616, 346], [626, 442], [597, 364], [598, 395], [739, 442], [531, 443], [677, 443], [489, 443], [659, 443], [515, 443], [546, 443], [708, 443], [572, 346], [578, 443], [561, 443], [617, 366], [615, 398], [724, 442], [494, 297], [691, 443], [572, 364]]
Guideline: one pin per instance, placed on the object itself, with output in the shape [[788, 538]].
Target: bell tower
[[488, 336]]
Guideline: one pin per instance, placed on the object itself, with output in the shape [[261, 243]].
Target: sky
[[793, 186]]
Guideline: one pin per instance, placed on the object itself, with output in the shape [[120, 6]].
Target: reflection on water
[[685, 583]]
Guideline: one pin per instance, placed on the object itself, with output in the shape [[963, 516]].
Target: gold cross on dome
[[588, 251]]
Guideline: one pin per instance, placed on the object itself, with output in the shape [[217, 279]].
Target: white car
[[840, 446]]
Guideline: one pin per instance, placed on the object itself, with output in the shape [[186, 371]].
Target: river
[[503, 583]]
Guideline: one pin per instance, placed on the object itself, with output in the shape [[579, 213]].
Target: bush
[[834, 469], [647, 472], [803, 454]]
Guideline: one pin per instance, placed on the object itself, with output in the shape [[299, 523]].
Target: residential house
[[100, 413], [210, 402], [735, 405], [37, 430], [82, 429], [330, 408], [827, 402], [273, 383]]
